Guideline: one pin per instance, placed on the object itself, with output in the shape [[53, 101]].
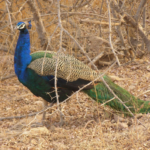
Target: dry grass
[[88, 126]]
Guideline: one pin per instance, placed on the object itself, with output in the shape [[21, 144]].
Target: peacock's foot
[[61, 122]]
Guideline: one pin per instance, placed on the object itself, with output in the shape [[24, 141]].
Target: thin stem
[[110, 31]]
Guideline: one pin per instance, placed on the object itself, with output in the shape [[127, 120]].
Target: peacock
[[37, 72]]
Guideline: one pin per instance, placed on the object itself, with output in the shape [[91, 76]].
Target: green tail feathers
[[102, 94]]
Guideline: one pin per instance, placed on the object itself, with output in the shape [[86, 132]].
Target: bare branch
[[82, 50], [8, 77], [9, 17], [129, 20], [142, 4], [96, 58], [24, 116], [109, 14], [39, 24], [99, 22]]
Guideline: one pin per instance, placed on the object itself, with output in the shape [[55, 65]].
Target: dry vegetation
[[88, 125]]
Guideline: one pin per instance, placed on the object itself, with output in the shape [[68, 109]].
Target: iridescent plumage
[[72, 75]]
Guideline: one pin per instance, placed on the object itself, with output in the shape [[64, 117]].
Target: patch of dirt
[[87, 124]]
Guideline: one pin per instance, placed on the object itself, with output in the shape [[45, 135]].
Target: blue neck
[[22, 53]]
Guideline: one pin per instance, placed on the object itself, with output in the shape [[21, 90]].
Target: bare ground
[[87, 124]]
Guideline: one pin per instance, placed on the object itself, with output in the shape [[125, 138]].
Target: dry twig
[[110, 32], [8, 77], [131, 21], [24, 116], [39, 24]]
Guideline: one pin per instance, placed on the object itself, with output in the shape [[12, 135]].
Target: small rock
[[122, 126], [113, 121], [139, 116], [33, 141], [117, 118]]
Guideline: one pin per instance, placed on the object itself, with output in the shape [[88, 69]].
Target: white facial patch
[[21, 26]]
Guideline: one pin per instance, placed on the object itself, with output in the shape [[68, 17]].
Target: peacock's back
[[68, 67]]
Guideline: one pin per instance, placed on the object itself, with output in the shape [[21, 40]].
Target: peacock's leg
[[45, 104], [38, 124], [61, 123], [61, 119]]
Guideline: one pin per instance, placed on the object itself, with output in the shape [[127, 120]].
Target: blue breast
[[22, 54]]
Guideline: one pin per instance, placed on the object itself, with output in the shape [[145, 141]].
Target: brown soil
[[87, 124]]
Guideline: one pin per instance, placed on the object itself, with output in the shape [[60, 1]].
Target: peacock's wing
[[41, 54], [61, 82], [68, 67]]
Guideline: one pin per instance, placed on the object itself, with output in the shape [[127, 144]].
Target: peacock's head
[[21, 25], [24, 25]]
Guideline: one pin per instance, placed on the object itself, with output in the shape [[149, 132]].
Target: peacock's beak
[[16, 28]]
